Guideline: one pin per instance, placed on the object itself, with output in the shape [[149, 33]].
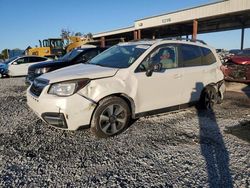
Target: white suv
[[128, 81]]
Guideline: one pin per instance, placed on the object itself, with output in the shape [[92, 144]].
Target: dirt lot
[[188, 148]]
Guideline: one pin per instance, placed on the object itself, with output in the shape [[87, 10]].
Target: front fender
[[98, 89]]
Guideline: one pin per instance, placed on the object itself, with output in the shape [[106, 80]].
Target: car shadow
[[213, 147]]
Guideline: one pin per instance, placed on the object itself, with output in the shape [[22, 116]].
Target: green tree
[[5, 53]]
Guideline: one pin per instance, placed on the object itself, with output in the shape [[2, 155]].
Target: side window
[[90, 54], [22, 60], [208, 56], [36, 59], [166, 55], [191, 55]]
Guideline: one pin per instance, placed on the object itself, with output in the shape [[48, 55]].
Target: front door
[[19, 67], [161, 89]]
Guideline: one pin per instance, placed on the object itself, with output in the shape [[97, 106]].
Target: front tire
[[111, 117]]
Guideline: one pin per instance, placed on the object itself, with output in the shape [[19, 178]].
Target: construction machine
[[51, 47], [76, 42]]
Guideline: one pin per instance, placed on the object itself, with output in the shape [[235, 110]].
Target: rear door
[[193, 73]]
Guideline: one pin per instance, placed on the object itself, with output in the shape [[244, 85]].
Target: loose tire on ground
[[111, 117]]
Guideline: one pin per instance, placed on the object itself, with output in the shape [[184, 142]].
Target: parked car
[[18, 66], [129, 80], [73, 57], [234, 51], [4, 68], [237, 67]]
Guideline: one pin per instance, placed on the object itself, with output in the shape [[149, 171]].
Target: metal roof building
[[217, 16]]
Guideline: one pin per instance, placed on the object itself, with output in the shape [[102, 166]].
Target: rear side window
[[208, 56], [36, 59], [191, 55]]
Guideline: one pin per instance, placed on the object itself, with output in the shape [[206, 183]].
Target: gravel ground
[[188, 148]]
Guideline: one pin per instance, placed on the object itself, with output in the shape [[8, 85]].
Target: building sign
[[140, 24], [167, 20]]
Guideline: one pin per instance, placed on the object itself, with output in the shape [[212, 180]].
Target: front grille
[[38, 86]]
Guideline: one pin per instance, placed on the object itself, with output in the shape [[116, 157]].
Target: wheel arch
[[125, 97]]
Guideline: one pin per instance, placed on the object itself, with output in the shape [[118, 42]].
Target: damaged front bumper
[[69, 113]]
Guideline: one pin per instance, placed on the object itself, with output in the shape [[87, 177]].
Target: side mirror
[[153, 68], [14, 63]]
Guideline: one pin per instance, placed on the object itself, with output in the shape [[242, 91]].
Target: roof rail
[[185, 39], [144, 39], [169, 38]]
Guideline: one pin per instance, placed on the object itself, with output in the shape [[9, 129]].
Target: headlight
[[42, 70], [64, 89]]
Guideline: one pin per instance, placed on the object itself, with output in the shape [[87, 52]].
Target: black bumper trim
[[55, 119]]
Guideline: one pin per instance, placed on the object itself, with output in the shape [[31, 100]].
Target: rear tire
[[219, 98], [111, 117], [208, 98]]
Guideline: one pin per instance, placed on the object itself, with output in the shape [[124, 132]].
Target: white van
[[129, 80]]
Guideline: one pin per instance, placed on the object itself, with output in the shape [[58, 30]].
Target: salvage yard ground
[[188, 148]]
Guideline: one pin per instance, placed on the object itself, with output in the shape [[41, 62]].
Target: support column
[[135, 35], [195, 29], [139, 34], [102, 42], [242, 38]]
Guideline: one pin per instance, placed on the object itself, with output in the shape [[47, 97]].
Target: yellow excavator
[[55, 47], [51, 47], [76, 42]]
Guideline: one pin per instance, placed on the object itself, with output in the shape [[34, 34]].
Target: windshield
[[119, 56], [245, 53], [9, 60], [71, 55]]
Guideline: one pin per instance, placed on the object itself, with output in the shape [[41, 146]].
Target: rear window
[[191, 55], [208, 56]]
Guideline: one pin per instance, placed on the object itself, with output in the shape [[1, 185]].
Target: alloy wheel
[[113, 119]]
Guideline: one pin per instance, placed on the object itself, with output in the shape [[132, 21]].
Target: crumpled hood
[[79, 71], [241, 60]]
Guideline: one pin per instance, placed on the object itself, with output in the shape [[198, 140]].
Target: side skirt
[[164, 110]]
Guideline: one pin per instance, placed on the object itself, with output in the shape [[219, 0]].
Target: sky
[[24, 22]]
